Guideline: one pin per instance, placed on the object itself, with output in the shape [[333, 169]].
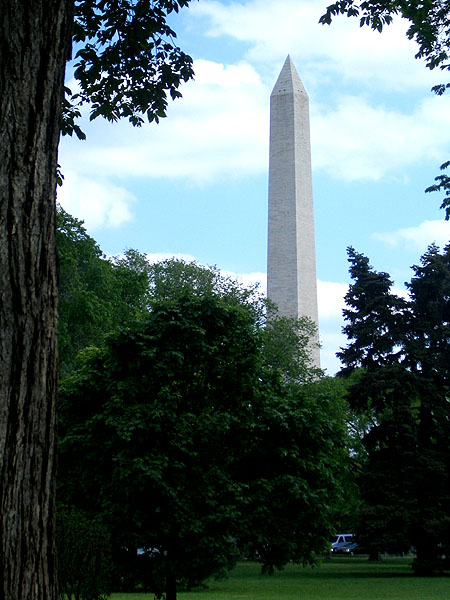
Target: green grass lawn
[[346, 578]]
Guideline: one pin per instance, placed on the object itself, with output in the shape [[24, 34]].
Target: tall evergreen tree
[[373, 315], [401, 347], [374, 327], [428, 356]]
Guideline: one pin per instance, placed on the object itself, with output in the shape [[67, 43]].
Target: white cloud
[[154, 257], [249, 279], [357, 140], [219, 127], [344, 50], [331, 342], [97, 202], [330, 298], [419, 237]]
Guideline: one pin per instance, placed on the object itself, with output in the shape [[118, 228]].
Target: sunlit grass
[[346, 578]]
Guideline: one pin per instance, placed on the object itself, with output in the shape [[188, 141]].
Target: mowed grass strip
[[346, 578]]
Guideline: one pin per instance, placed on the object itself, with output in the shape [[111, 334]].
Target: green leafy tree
[[96, 295], [287, 347], [126, 64], [180, 437], [429, 26], [131, 280], [355, 425], [85, 286], [174, 278], [401, 349], [84, 556], [139, 286]]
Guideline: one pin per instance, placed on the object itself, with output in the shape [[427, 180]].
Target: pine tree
[[402, 348]]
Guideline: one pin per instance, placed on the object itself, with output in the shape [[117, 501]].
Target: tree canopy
[[96, 294], [401, 348], [429, 25], [126, 62], [188, 439], [99, 294]]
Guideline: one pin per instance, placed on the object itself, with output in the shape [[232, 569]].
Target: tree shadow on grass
[[360, 568]]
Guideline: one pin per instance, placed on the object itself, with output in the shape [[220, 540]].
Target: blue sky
[[196, 184]]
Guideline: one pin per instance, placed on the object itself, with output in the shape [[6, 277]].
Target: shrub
[[84, 556]]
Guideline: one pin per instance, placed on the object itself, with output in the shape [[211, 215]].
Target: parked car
[[148, 552], [342, 538], [345, 548], [344, 543]]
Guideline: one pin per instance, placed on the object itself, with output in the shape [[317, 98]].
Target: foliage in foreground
[[126, 66], [192, 443], [126, 62]]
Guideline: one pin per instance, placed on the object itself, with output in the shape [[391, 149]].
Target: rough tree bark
[[34, 45]]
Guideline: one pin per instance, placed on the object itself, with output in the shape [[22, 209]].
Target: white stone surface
[[291, 264]]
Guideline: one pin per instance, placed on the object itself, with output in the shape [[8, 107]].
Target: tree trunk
[[34, 44], [374, 555], [171, 581]]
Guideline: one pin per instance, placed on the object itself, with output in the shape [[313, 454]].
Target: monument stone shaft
[[291, 264]]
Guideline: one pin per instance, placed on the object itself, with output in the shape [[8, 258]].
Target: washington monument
[[291, 263]]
